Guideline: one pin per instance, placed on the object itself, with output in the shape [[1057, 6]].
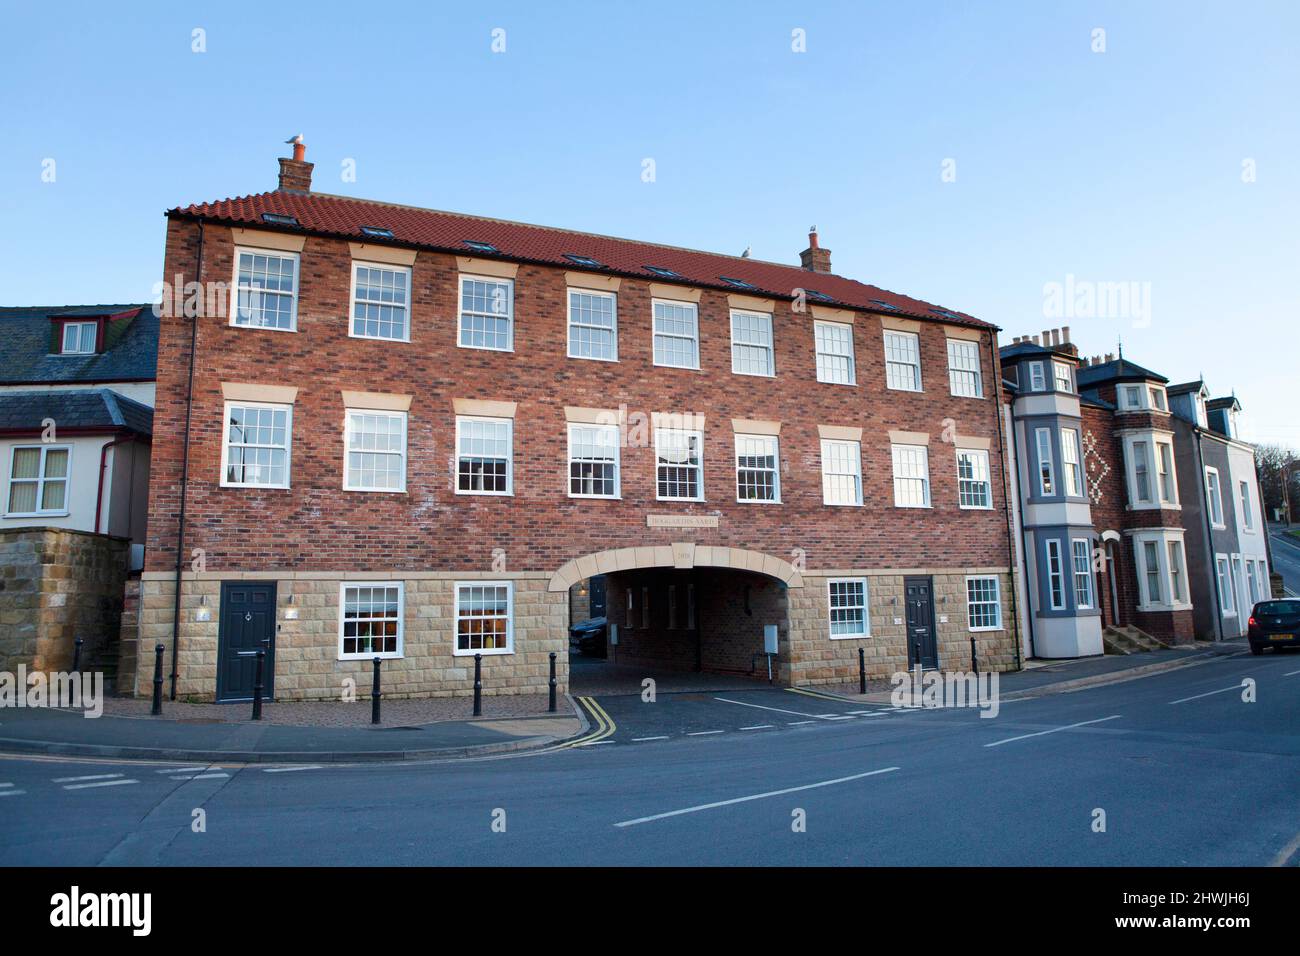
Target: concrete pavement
[[1182, 770]]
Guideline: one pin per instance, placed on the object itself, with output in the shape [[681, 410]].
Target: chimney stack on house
[[1058, 339], [295, 174], [815, 258]]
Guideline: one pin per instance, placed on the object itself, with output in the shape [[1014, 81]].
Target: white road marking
[[289, 769], [703, 733], [868, 713], [759, 727], [182, 770], [797, 713], [1208, 693], [1291, 673], [593, 743], [6, 784], [102, 783], [11, 793], [203, 776], [753, 796], [637, 740], [1082, 723], [92, 776], [800, 723], [841, 717]]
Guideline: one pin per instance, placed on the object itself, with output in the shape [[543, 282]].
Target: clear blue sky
[[1112, 167]]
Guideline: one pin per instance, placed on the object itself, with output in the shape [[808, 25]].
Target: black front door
[[247, 626], [922, 647]]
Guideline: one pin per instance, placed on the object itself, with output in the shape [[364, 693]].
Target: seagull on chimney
[[295, 140], [745, 254]]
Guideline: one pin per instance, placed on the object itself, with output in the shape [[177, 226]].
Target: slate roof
[[1179, 389], [91, 408], [130, 346], [1118, 370], [344, 217]]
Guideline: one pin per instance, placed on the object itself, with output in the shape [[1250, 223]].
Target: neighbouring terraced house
[[1139, 507], [407, 434]]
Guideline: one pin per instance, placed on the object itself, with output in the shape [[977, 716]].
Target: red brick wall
[[1104, 467], [315, 525]]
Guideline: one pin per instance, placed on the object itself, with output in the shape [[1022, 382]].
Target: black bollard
[[552, 707], [974, 661], [478, 685], [862, 671], [257, 684], [76, 655], [157, 681], [375, 695]]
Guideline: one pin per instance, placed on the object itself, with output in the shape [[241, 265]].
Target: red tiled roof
[[447, 232]]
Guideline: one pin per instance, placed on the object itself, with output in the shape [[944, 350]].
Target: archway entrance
[[688, 617]]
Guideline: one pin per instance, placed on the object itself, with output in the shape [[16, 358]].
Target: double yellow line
[[604, 725]]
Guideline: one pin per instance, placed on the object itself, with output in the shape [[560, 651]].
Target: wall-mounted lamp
[[291, 610], [203, 612]]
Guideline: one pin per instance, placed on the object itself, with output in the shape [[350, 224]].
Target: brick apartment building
[[409, 433]]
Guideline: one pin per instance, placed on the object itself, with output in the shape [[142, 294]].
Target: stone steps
[[1129, 640]]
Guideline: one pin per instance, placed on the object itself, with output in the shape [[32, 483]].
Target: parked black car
[[589, 636], [1274, 624]]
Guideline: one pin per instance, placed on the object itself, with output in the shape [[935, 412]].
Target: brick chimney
[[815, 258], [295, 174]]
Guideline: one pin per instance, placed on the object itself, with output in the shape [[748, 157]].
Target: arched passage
[[681, 609]]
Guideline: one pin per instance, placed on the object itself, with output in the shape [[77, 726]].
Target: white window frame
[[510, 619], [997, 602], [1045, 463], [63, 338], [40, 481], [225, 444], [1159, 447], [1177, 582], [655, 334], [1082, 575], [1055, 578], [1243, 495], [348, 484], [913, 341], [1158, 398], [293, 300], [855, 456], [980, 455], [401, 621], [770, 348], [1223, 575], [352, 300], [1162, 542], [841, 327], [570, 324], [894, 451], [618, 461], [699, 435], [1037, 377], [460, 311], [1058, 368], [461, 421], [1130, 392], [831, 608], [1214, 497], [775, 442], [1072, 469], [959, 353], [1252, 587]]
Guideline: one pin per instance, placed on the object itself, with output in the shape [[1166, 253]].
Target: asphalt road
[[1286, 558], [1185, 771]]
